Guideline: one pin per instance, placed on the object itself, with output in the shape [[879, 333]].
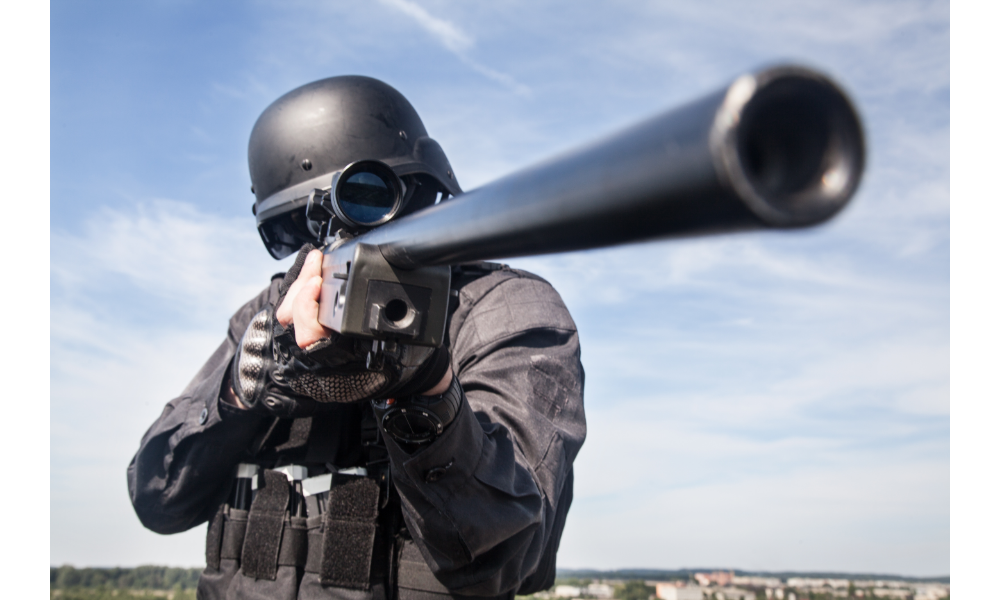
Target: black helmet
[[312, 134]]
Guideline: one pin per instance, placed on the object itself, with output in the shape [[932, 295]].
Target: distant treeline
[[138, 578], [170, 578], [664, 575]]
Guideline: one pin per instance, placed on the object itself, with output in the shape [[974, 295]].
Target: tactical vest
[[317, 516]]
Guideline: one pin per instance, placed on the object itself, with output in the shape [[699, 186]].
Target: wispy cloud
[[762, 266], [455, 41], [450, 36], [168, 250], [141, 297]]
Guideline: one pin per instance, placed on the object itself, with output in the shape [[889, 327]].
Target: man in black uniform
[[296, 446]]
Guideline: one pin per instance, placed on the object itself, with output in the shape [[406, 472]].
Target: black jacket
[[491, 524]]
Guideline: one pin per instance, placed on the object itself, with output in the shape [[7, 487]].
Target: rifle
[[781, 147]]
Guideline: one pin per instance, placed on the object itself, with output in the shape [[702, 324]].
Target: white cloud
[[803, 269], [169, 250], [502, 78], [112, 374], [450, 36], [112, 356], [455, 41]]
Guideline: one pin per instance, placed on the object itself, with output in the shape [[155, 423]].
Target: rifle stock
[[782, 147]]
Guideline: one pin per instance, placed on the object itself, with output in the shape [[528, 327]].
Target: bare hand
[[301, 303]]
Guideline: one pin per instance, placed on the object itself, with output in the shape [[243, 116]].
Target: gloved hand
[[289, 365]]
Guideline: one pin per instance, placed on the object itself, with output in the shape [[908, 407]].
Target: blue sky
[[764, 401]]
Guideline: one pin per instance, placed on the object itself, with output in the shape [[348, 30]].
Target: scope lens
[[366, 197]]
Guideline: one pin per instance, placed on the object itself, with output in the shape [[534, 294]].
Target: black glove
[[270, 373]]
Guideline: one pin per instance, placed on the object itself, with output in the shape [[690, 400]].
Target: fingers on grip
[[311, 268], [305, 313]]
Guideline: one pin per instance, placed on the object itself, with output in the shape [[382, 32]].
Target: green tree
[[140, 578], [67, 576], [635, 589]]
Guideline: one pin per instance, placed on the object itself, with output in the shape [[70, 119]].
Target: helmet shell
[[303, 137]]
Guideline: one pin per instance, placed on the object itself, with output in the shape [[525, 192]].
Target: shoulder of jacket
[[478, 279], [491, 303]]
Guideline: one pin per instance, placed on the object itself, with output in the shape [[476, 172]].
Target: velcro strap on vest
[[233, 533], [349, 534], [263, 536]]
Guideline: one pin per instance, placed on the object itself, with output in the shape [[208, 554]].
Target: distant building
[[599, 590], [767, 582], [722, 578], [817, 583], [934, 591], [567, 591], [677, 591], [891, 593], [731, 593]]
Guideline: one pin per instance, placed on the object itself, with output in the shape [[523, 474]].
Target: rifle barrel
[[781, 147]]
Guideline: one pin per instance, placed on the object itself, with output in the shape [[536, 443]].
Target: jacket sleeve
[[486, 502], [188, 457]]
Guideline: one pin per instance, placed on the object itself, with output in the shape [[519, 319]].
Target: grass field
[[81, 593]]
